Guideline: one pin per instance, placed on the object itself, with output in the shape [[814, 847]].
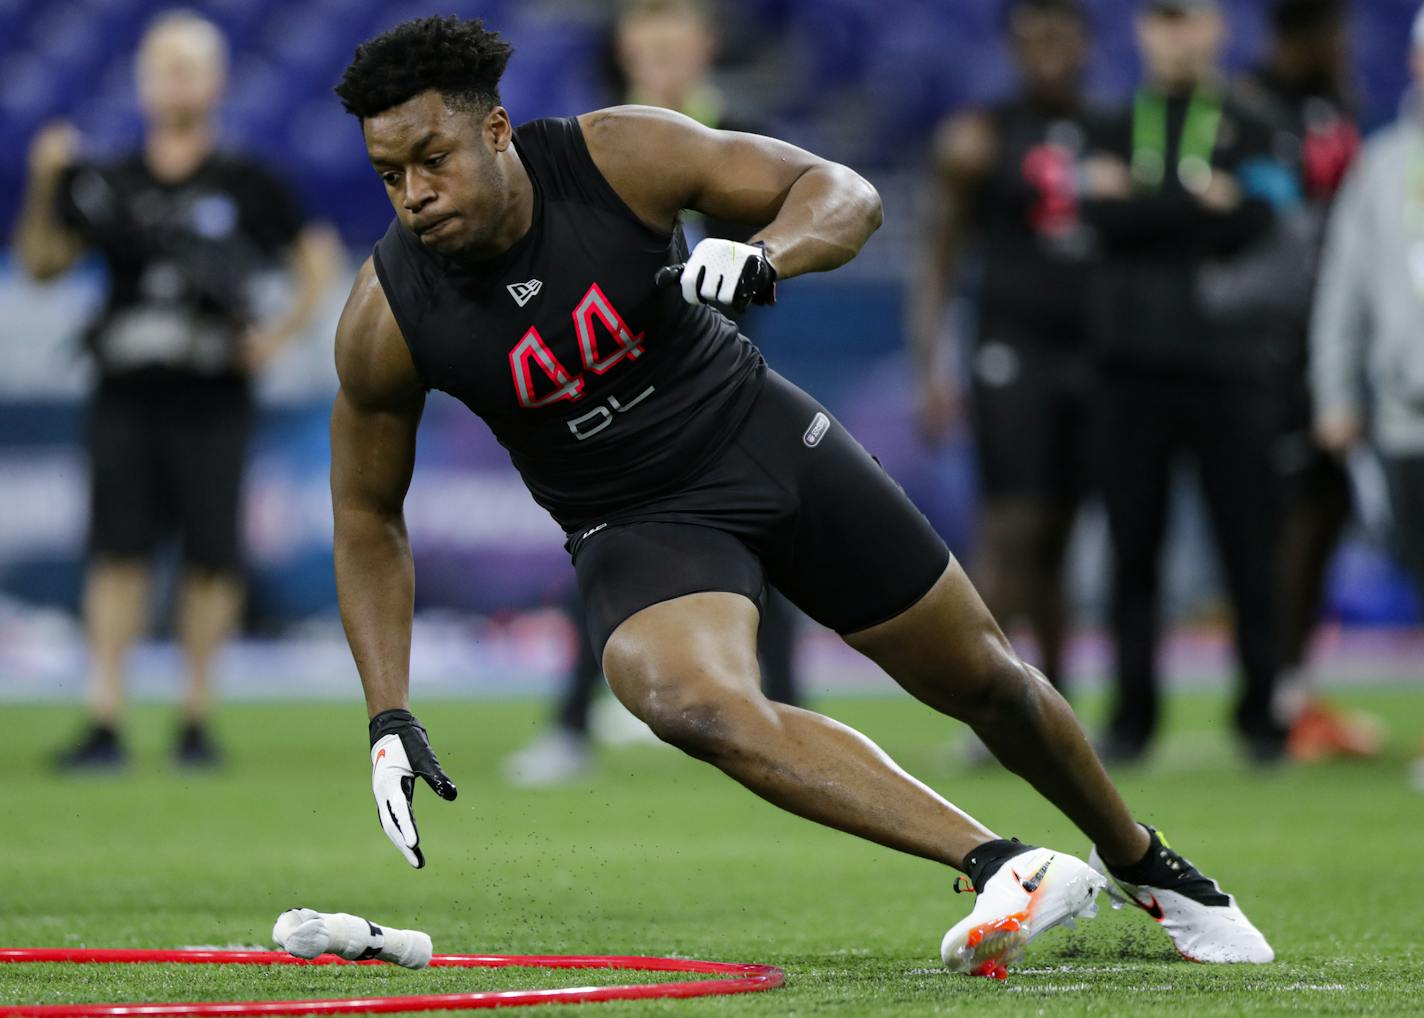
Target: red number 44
[[531, 352]]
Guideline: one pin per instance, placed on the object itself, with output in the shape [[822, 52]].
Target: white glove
[[306, 933], [400, 750], [728, 273]]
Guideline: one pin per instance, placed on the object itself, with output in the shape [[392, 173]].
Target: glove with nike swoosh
[[400, 750], [725, 272]]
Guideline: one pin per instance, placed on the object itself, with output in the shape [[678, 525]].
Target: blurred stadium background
[[861, 81]]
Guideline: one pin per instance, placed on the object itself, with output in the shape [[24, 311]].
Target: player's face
[[180, 72], [1180, 50], [1050, 49], [441, 170]]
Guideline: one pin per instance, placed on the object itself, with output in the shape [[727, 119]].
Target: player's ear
[[497, 129]]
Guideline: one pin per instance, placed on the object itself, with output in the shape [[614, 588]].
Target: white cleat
[[1203, 921], [1030, 894]]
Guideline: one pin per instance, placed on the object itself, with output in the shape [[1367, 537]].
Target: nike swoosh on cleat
[[1031, 884], [1154, 910], [380, 754]]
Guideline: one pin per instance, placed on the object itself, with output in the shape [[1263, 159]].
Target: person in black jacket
[[1186, 186]]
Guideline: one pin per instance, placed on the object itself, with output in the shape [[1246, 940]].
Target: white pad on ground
[[306, 933]]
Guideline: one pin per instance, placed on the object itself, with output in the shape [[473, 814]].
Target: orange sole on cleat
[[1008, 924], [997, 945]]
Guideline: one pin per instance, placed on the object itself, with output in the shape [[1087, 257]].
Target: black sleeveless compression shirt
[[605, 389]]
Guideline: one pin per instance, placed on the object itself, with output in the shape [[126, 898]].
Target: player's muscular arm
[[373, 426], [814, 214]]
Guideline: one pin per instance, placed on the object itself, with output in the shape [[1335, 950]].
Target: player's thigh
[[671, 608], [946, 649], [674, 611], [688, 666], [856, 551], [864, 561], [207, 461], [126, 497]]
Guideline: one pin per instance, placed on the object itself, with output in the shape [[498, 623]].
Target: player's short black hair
[[462, 60], [1066, 8], [1293, 18]]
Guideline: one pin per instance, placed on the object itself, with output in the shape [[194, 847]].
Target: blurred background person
[[662, 52], [1004, 186], [1367, 334], [1187, 182], [1302, 90], [182, 228]]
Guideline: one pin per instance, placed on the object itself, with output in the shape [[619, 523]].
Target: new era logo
[[820, 424], [523, 293]]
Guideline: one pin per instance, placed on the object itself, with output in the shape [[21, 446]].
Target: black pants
[[1224, 427]]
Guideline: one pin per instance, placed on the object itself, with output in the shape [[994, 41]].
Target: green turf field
[[662, 855]]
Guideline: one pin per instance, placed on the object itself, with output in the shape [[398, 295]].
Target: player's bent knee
[[1000, 688], [703, 715], [1016, 695]]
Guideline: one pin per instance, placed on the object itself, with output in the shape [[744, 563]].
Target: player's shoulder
[[372, 359], [612, 128]]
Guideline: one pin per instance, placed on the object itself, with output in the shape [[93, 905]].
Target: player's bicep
[[662, 162], [744, 178]]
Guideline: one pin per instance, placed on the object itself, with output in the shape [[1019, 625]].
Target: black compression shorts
[[792, 500], [168, 467]]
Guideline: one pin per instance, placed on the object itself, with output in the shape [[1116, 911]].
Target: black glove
[[400, 750]]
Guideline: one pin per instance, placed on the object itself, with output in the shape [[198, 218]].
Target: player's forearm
[[826, 218], [45, 247], [375, 586]]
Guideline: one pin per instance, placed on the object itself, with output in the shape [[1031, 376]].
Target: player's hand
[[724, 272], [1339, 431], [400, 750], [939, 407], [53, 149]]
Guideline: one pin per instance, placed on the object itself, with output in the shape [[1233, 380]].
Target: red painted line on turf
[[750, 979]]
